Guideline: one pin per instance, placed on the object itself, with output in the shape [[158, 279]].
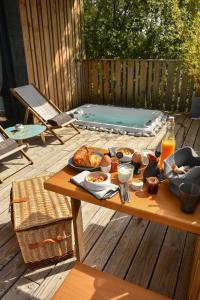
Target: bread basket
[[182, 157]]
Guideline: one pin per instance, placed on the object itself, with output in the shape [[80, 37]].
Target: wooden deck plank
[[192, 133], [185, 269], [8, 251], [167, 267], [105, 245], [10, 273], [142, 267], [119, 263], [21, 290]]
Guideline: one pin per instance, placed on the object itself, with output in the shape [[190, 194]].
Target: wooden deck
[[148, 254]]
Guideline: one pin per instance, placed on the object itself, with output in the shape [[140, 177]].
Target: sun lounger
[[43, 109]]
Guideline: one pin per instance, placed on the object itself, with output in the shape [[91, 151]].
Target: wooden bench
[[86, 283]]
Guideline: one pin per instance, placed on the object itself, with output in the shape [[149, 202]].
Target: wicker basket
[[42, 221]]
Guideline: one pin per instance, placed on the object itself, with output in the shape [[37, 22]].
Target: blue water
[[129, 117]]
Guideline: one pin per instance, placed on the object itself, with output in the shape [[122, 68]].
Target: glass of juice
[[167, 148]]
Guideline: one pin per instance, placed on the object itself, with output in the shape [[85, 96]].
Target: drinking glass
[[190, 196], [125, 173]]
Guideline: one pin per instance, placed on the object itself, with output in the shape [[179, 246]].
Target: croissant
[[85, 157]]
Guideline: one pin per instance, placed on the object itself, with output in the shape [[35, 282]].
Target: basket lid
[[34, 206]]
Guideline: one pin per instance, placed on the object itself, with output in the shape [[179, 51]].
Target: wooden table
[[163, 208]]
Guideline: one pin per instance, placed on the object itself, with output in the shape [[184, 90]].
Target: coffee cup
[[19, 127]]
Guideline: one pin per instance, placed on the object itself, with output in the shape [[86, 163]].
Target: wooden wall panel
[[145, 83], [52, 33]]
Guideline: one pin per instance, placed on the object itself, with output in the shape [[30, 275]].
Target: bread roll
[[85, 157]]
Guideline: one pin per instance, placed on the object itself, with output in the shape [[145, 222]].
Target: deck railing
[[158, 84]]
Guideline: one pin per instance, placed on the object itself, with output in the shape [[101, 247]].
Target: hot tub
[[123, 120]]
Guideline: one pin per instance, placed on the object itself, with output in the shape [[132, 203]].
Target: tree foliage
[[137, 28], [191, 51]]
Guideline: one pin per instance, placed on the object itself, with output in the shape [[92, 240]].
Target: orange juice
[[167, 148]]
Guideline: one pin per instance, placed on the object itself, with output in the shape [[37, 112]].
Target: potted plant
[[191, 57]]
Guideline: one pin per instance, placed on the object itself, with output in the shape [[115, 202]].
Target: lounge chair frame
[[49, 127], [20, 149]]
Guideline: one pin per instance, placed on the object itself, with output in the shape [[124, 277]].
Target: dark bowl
[[182, 157]]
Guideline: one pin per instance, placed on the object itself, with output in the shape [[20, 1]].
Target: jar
[[114, 164], [152, 185]]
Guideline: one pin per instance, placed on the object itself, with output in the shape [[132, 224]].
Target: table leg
[[78, 228], [20, 143], [43, 138], [194, 287]]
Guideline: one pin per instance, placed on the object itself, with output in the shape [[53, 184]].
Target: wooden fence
[[52, 42], [159, 84]]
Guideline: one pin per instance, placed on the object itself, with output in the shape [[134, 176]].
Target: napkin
[[109, 192]]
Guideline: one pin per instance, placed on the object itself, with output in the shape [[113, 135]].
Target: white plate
[[73, 166]]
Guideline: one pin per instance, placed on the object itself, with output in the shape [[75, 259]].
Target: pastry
[[86, 157], [106, 161]]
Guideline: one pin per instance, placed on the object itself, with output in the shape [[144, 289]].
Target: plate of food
[[126, 152], [85, 158]]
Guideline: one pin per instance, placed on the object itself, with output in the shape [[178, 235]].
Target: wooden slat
[[101, 81], [112, 82], [143, 83], [43, 52], [124, 84], [68, 69], [107, 243], [11, 273], [37, 42], [163, 86], [56, 52], [63, 53], [50, 82], [149, 85], [185, 269], [25, 29], [170, 84], [118, 82], [86, 80], [172, 251], [183, 92], [32, 44], [130, 90], [119, 263], [106, 81], [145, 259], [156, 83], [74, 49], [95, 81], [137, 79], [51, 50]]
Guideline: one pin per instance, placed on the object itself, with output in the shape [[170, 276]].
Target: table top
[[163, 207], [27, 132]]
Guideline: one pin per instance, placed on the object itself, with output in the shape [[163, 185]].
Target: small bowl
[[105, 169], [97, 186], [126, 157]]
